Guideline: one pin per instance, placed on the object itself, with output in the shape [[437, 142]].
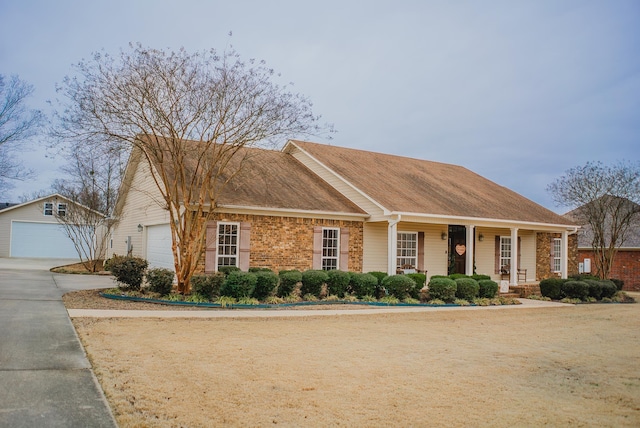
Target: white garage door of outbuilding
[[41, 240], [159, 253]]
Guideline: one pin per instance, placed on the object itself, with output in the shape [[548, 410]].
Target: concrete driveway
[[45, 377]]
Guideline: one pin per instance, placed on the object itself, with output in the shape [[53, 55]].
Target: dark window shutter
[[519, 252], [211, 247], [344, 249], [420, 265], [317, 248], [551, 253], [244, 246], [497, 256]]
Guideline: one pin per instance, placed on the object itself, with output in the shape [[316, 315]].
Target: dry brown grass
[[531, 367]]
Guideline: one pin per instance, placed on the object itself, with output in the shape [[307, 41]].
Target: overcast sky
[[517, 91]]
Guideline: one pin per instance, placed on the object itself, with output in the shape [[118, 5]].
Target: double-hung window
[[505, 254], [62, 210], [407, 253], [228, 234], [48, 208], [330, 248], [557, 254]]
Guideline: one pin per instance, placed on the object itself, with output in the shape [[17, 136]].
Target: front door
[[457, 249]]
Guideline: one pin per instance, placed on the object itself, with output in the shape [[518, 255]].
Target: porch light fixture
[[139, 228], [443, 236], [481, 237]]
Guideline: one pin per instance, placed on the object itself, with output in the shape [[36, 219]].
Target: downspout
[[392, 245]]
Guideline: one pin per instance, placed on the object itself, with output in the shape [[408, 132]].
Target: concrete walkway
[[45, 377], [279, 313]]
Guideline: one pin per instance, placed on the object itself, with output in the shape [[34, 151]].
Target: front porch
[[524, 290]]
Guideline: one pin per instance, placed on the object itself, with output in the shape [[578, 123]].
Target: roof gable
[[408, 185]]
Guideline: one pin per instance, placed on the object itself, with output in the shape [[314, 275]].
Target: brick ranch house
[[316, 206]]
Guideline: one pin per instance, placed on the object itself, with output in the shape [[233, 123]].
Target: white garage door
[[41, 240], [159, 253]]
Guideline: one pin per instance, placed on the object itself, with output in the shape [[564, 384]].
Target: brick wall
[[543, 255], [626, 266], [280, 243]]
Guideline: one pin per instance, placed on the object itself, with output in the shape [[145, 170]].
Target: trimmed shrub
[[207, 285], [467, 289], [363, 284], [618, 283], [337, 282], [583, 276], [379, 276], [455, 276], [595, 288], [552, 288], [266, 283], [400, 286], [576, 289], [128, 271], [238, 284], [160, 280], [228, 269], [419, 278], [289, 279], [488, 288], [479, 277], [312, 281], [442, 289], [609, 289], [259, 269]]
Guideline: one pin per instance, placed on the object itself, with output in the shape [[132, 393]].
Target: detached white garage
[[158, 248], [41, 240]]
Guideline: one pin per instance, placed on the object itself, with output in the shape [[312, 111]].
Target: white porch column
[[468, 262], [392, 245], [564, 260], [513, 276]]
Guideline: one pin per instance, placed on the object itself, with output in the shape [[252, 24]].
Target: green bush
[[576, 289], [400, 286], [238, 284], [259, 269], [312, 281], [266, 283], [467, 289], [583, 276], [207, 285], [379, 276], [160, 280], [442, 289], [479, 277], [289, 279], [552, 288], [595, 288], [618, 283], [363, 284], [228, 269], [455, 276], [419, 278], [609, 289], [488, 288], [128, 271], [337, 282]]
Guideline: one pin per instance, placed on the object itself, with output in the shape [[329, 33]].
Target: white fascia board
[[53, 195], [488, 222], [339, 177]]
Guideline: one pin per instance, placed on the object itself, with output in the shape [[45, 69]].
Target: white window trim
[[506, 259], [557, 255], [62, 212], [237, 244], [399, 248], [324, 257], [48, 206]]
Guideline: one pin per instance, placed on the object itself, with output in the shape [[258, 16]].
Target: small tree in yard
[[604, 198], [189, 116]]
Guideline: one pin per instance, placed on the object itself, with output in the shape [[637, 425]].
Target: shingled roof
[[408, 185]]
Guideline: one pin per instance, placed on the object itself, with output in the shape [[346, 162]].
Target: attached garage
[[41, 240], [158, 248]]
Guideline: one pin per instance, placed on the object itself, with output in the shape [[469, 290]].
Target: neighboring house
[[31, 229], [626, 264], [323, 207]]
